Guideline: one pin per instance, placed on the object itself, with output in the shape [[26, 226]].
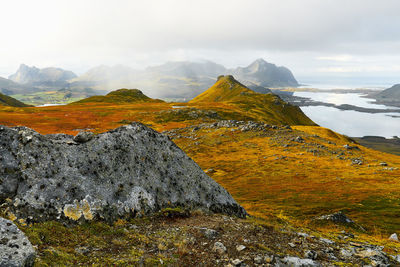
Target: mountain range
[[172, 80]]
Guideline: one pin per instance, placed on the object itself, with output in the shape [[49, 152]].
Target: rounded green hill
[[121, 96]]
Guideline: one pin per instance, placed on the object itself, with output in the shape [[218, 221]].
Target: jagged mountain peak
[[34, 75]]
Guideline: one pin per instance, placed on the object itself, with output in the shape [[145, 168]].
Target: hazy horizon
[[356, 38]]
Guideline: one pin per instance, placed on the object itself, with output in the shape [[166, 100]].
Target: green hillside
[[12, 102], [265, 107], [121, 96]]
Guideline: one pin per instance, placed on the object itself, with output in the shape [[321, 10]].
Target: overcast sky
[[311, 37]]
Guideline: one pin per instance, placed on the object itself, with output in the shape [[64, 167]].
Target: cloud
[[341, 58], [80, 34]]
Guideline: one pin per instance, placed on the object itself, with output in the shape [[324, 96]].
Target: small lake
[[50, 105], [349, 122]]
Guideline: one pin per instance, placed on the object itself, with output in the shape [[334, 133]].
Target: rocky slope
[[129, 171]]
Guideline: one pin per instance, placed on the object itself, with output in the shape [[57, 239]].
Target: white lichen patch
[[138, 198]]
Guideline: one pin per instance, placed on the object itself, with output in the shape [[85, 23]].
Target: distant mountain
[[12, 102], [121, 96], [265, 107], [8, 87], [392, 93], [48, 85], [184, 79], [265, 74], [181, 80], [46, 76]]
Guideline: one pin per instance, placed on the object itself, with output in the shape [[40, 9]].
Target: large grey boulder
[[129, 171], [15, 248]]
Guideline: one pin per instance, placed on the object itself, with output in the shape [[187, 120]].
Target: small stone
[[236, 262], [327, 241], [240, 248], [397, 258], [292, 245], [209, 233], [133, 227], [383, 164], [299, 139], [295, 261], [303, 235], [345, 253], [311, 254], [83, 137], [82, 250], [393, 237], [219, 248], [258, 260]]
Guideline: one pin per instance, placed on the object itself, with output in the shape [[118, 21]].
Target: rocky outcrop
[[129, 171], [15, 248]]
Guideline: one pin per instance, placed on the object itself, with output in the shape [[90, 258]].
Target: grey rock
[[349, 147], [338, 217], [219, 248], [209, 233], [303, 235], [345, 253], [397, 258], [327, 241], [259, 260], [82, 250], [311, 254], [297, 262], [83, 137], [129, 171], [240, 248], [299, 139], [15, 248], [236, 262], [393, 237]]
